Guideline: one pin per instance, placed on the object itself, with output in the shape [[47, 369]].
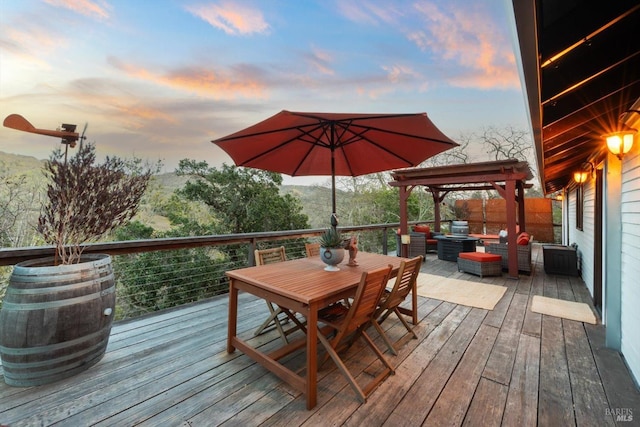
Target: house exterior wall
[[629, 266], [630, 261]]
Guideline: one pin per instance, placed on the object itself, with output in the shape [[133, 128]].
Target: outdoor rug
[[472, 294], [565, 309]]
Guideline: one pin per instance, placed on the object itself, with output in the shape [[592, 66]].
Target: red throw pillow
[[423, 229], [523, 239]]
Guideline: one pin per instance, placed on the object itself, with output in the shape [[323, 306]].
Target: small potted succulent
[[331, 249]]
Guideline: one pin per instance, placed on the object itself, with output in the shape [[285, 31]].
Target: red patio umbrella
[[335, 144]]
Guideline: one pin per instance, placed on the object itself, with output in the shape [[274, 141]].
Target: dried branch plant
[[85, 201]]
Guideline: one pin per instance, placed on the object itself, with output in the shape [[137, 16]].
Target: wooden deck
[[509, 367]]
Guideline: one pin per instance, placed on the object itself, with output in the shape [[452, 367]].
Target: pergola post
[[512, 237], [404, 195], [437, 200], [521, 210]]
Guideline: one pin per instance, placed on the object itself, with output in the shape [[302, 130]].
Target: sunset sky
[[160, 79]]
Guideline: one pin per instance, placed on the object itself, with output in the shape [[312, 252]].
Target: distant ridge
[[15, 164], [315, 199]]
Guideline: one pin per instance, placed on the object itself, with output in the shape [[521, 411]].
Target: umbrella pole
[[334, 217]]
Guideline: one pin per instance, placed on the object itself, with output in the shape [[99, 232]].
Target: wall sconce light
[[580, 177], [583, 175], [405, 239], [620, 143]]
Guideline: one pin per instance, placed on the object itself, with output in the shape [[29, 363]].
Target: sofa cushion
[[423, 229], [523, 238], [480, 256]]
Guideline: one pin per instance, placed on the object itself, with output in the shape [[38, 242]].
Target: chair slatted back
[[366, 299], [270, 256], [312, 249], [407, 275]]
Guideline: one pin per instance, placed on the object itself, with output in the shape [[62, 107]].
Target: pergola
[[507, 177]]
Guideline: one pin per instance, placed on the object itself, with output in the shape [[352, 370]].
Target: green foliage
[[158, 280], [244, 200], [241, 200], [134, 230], [331, 238]]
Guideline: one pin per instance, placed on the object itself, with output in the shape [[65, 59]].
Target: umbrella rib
[[312, 143], [282, 144], [357, 136]]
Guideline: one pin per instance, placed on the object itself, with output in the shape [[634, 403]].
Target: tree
[[454, 156], [507, 143], [18, 197], [244, 200]]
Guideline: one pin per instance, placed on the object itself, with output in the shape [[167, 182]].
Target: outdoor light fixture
[[620, 143], [580, 177], [584, 173], [405, 239]]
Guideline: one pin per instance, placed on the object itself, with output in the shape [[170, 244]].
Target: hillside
[[316, 200], [15, 164]]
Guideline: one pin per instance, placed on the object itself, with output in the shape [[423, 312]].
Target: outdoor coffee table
[[449, 246], [302, 286]]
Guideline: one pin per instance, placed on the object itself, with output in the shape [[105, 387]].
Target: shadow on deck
[[508, 366]]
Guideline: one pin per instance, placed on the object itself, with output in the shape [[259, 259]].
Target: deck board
[[508, 366]]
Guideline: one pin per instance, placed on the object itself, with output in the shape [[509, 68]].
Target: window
[[579, 206]]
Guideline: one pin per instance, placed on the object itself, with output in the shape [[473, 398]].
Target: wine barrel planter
[[55, 320]]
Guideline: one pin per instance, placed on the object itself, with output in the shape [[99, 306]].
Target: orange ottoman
[[480, 263]]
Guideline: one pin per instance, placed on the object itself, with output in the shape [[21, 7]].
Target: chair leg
[[406, 325], [273, 318], [385, 372], [384, 337], [377, 351], [340, 364]]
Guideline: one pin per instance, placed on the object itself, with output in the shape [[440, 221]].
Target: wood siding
[[630, 262]]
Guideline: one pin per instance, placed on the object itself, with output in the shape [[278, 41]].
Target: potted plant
[[68, 300], [331, 249]]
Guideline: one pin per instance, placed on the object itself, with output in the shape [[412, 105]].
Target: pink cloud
[[99, 10], [466, 36], [231, 18], [320, 60], [368, 12], [241, 81]]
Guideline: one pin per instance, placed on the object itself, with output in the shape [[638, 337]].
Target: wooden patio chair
[[312, 249], [278, 317], [391, 300], [350, 323]]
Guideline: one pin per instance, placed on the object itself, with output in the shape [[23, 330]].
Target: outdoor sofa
[[524, 252]]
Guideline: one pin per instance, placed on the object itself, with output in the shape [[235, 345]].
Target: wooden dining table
[[300, 286]]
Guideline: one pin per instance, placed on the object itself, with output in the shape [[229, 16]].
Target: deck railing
[[156, 274]]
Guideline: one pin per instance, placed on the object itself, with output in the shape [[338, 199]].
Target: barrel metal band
[[51, 347], [8, 305], [12, 290]]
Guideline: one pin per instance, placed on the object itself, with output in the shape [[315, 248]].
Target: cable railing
[[157, 274]]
